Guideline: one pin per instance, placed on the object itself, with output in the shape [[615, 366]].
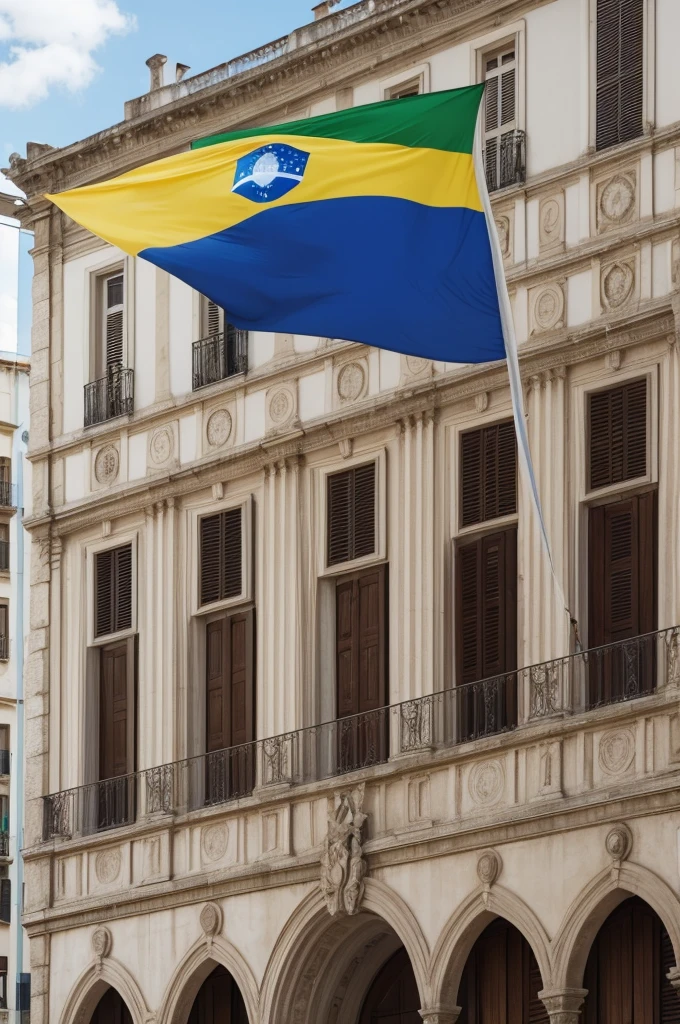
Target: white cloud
[[50, 44]]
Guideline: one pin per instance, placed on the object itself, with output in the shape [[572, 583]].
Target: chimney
[[323, 9], [155, 66], [180, 71]]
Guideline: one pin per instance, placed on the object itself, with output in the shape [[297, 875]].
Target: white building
[[15, 489], [291, 622]]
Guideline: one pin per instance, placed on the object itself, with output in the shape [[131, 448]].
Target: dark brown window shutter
[[114, 321], [488, 473], [501, 979], [230, 703], [361, 642], [113, 590], [221, 556], [351, 514], [486, 607], [5, 899], [5, 470], [4, 620], [617, 429], [620, 69]]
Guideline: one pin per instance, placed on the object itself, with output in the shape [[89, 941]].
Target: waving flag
[[365, 225]]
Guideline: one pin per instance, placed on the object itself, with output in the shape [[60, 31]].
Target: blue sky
[[117, 35]]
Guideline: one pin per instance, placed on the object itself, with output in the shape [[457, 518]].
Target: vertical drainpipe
[[18, 767]]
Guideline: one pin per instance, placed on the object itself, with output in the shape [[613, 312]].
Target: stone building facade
[[310, 735]]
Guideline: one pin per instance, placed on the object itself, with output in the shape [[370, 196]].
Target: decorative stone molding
[[551, 223], [546, 307], [281, 406], [619, 843], [616, 200], [218, 428], [163, 447], [346, 446], [673, 657], [214, 839], [613, 360], [616, 751], [351, 381], [564, 1007], [415, 368], [107, 866], [211, 920], [486, 782], [106, 465], [505, 229], [101, 942], [482, 401], [343, 867], [618, 283], [438, 1016], [489, 867]]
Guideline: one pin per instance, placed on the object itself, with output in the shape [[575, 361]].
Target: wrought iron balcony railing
[[7, 494], [4, 844], [577, 683], [505, 163], [4, 648], [110, 396], [219, 356]]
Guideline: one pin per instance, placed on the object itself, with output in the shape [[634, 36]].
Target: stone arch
[[594, 904], [465, 926], [312, 939], [194, 968], [91, 986]]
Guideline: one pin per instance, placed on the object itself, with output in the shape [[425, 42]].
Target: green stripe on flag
[[435, 120]]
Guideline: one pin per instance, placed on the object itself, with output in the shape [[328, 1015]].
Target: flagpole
[[510, 341]]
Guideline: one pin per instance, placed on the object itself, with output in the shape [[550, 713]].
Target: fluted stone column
[[564, 1007]]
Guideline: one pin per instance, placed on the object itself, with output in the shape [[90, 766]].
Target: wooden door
[[501, 980], [116, 733], [111, 1009], [230, 706], [486, 634], [219, 1001], [622, 597], [626, 971], [393, 996], [361, 667]]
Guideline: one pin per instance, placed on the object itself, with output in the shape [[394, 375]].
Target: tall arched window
[[501, 980], [219, 1001], [393, 996]]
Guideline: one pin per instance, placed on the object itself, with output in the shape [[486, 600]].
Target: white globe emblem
[[265, 169]]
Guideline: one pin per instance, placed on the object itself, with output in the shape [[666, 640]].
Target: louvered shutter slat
[[351, 514], [114, 338], [491, 163], [104, 593], [620, 69], [113, 590], [221, 556], [469, 590], [471, 478], [123, 591], [340, 513], [618, 434], [5, 899], [488, 473], [491, 109], [214, 318], [232, 551], [210, 559], [364, 511], [508, 96]]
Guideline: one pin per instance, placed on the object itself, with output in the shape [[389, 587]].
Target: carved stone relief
[[211, 919], [281, 406], [415, 368], [489, 867], [106, 465], [351, 381], [214, 840], [343, 867], [101, 942], [486, 782], [107, 866], [163, 447], [505, 229], [218, 428], [551, 223], [616, 200], [547, 307], [619, 842], [617, 283], [616, 751]]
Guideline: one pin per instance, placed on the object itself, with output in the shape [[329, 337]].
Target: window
[[222, 349], [488, 475], [221, 556], [411, 88], [230, 706], [4, 750], [3, 982], [5, 481], [113, 590], [5, 900], [351, 514], [4, 632], [617, 434], [500, 119], [620, 69], [112, 321], [4, 547]]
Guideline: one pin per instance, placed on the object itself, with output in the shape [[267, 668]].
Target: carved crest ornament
[[343, 867]]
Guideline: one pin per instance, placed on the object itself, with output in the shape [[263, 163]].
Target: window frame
[[246, 504], [92, 551], [392, 86], [339, 465], [113, 266], [456, 430]]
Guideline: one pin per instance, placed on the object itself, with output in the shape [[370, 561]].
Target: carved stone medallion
[[489, 867], [211, 919], [617, 284], [503, 229], [218, 428], [107, 866], [417, 365], [616, 752], [617, 198], [619, 842], [161, 445], [106, 464], [351, 380], [551, 222], [280, 406], [101, 942], [214, 841], [549, 308], [486, 782]]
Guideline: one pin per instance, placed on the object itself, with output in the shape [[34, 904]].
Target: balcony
[[7, 494], [218, 357], [4, 844], [110, 396], [505, 165], [579, 683], [4, 648]]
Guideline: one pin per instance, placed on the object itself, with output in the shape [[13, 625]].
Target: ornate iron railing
[[4, 648], [4, 844], [505, 164], [110, 396], [219, 356], [7, 498], [617, 672]]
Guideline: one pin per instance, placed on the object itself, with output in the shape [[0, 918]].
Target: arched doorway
[[393, 996], [111, 1009], [218, 1001], [626, 970], [501, 980]]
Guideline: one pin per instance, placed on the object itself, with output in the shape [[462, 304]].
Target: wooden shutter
[[393, 995], [5, 470], [500, 111], [212, 318], [221, 556], [117, 698], [361, 642], [4, 620], [617, 432], [486, 607], [351, 514], [620, 69], [670, 1002], [488, 478], [113, 321], [230, 702], [501, 980], [113, 590], [111, 1009], [218, 1001], [623, 569], [5, 899]]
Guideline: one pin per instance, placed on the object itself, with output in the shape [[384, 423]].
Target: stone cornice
[[404, 28]]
